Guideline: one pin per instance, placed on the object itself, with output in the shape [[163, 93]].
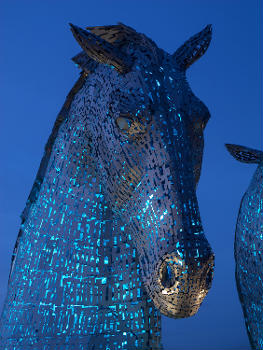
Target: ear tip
[[230, 147], [73, 28], [208, 31]]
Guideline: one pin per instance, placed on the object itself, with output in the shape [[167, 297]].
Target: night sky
[[37, 73]]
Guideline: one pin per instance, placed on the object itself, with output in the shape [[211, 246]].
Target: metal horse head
[[249, 246], [145, 130]]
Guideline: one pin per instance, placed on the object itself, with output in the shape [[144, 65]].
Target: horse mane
[[49, 145], [33, 195]]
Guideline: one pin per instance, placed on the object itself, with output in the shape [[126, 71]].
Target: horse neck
[[75, 263], [123, 308], [122, 301]]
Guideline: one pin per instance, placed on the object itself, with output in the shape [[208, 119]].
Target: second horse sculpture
[[111, 235], [249, 246]]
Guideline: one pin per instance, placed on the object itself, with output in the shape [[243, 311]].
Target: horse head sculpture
[[120, 174], [249, 245], [148, 142]]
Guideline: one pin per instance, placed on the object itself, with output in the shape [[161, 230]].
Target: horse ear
[[244, 154], [101, 51], [193, 48]]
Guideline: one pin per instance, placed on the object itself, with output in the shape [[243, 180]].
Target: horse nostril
[[209, 278], [167, 276]]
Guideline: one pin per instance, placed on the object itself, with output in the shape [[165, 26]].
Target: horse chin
[[180, 305], [182, 313]]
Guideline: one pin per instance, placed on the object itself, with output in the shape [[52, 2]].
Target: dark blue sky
[[36, 75]]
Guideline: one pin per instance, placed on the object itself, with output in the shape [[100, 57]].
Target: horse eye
[[124, 123], [130, 126]]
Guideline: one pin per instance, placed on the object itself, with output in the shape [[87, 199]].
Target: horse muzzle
[[181, 284]]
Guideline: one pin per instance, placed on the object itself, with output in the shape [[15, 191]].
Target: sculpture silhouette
[[111, 234], [249, 246]]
